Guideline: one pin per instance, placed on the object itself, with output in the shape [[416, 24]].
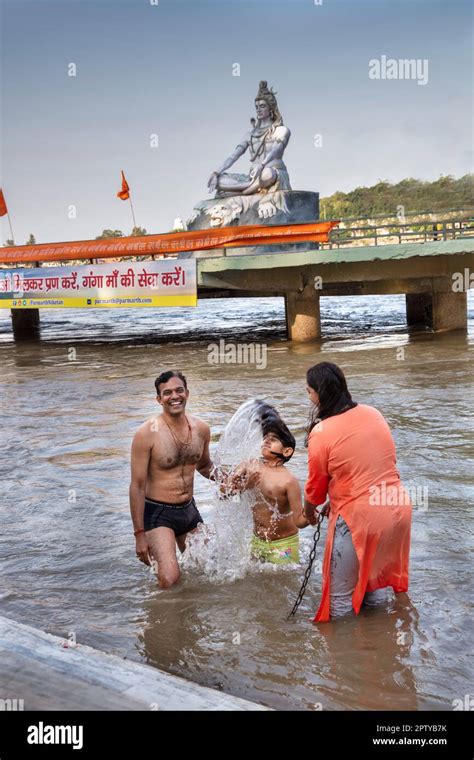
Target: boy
[[277, 510]]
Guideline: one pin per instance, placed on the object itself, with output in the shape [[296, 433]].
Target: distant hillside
[[414, 195]]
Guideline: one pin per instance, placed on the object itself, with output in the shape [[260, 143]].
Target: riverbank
[[44, 672]]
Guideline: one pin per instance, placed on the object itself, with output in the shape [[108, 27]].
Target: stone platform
[[285, 207], [39, 671]]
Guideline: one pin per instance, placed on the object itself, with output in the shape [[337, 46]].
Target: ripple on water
[[70, 566]]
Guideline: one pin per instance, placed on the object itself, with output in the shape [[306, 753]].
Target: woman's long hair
[[329, 382]]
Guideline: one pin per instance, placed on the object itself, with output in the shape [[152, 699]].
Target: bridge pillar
[[303, 321], [25, 323], [449, 311], [439, 312], [419, 309]]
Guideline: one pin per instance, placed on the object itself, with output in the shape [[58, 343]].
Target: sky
[[167, 68]]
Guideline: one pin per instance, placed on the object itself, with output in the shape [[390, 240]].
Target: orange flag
[[124, 193], [3, 205]]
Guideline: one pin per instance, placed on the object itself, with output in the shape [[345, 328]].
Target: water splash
[[221, 549], [242, 437]]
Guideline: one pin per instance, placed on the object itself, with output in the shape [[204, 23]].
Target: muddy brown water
[[66, 547]]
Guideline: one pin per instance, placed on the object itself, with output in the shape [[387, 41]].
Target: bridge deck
[[349, 254], [399, 268]]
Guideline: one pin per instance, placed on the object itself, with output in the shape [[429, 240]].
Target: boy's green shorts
[[283, 551]]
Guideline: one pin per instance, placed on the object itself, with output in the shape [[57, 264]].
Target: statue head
[[266, 105]]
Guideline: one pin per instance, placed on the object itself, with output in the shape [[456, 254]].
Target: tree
[[110, 234], [31, 240], [137, 231], [444, 194], [9, 241]]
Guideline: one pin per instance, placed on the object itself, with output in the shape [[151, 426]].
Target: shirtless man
[[277, 511], [166, 451]]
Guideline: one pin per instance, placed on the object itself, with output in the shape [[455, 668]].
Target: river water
[[70, 405]]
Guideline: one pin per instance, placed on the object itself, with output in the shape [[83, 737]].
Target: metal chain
[[312, 555]]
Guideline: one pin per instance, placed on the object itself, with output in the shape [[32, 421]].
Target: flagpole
[[11, 228], [133, 213]]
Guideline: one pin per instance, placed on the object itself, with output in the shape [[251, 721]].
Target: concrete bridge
[[434, 276]]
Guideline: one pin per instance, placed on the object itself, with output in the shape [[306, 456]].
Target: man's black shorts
[[179, 517]]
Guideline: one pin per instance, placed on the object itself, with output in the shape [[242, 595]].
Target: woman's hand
[[309, 513], [326, 508]]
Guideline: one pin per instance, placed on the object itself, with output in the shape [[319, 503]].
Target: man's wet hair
[[271, 422], [165, 376]]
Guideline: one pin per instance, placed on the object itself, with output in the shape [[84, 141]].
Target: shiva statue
[[268, 176]]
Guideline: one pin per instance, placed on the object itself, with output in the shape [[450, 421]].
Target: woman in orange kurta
[[352, 459]]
